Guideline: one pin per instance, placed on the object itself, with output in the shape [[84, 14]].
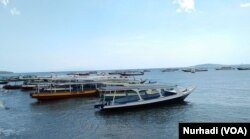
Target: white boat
[[225, 68], [165, 94]]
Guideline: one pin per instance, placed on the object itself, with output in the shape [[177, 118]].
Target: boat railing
[[66, 87]]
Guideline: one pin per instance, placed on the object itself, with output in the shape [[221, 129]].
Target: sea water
[[220, 96]]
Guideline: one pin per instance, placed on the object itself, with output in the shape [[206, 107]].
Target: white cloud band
[[244, 5]]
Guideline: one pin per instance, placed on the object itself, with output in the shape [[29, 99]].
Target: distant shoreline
[[6, 72], [208, 66]]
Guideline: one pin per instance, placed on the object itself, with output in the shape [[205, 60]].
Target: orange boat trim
[[58, 95]]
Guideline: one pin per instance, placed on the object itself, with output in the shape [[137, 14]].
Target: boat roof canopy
[[137, 87]]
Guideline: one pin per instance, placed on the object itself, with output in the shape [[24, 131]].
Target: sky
[[66, 35]]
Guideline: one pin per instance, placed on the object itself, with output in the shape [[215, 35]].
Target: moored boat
[[12, 87], [79, 73], [225, 68], [243, 68], [164, 94], [66, 90], [132, 73], [170, 69], [115, 73], [62, 95], [187, 70], [193, 70], [3, 82]]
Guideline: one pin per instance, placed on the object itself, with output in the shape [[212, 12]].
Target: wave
[[7, 132], [2, 105], [10, 132]]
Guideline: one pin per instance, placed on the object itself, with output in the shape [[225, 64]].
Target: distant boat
[[200, 69], [193, 70], [132, 73], [79, 73], [141, 96], [243, 68], [146, 70], [225, 68], [170, 69], [93, 72], [115, 73], [187, 70]]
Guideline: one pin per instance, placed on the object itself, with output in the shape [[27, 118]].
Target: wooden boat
[[165, 94], [170, 69], [61, 95], [79, 73], [66, 90], [225, 68], [3, 82], [200, 69], [132, 73], [115, 73], [10, 87], [187, 70], [243, 68], [193, 70]]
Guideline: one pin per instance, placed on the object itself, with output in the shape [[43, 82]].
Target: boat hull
[[28, 88], [12, 87], [63, 95], [3, 82], [243, 68]]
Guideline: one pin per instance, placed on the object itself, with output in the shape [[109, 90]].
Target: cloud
[[14, 12], [185, 5], [4, 2], [244, 5]]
